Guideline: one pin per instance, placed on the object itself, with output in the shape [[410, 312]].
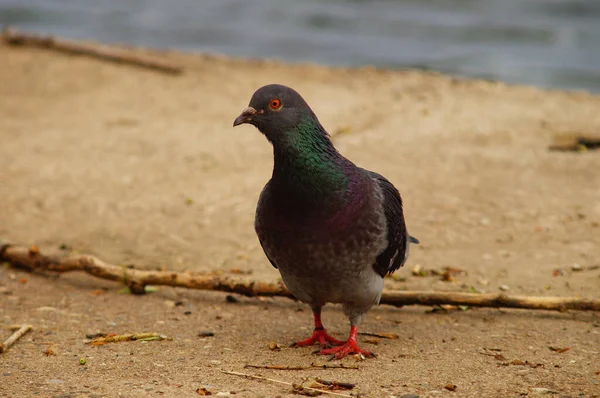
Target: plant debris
[[520, 362], [575, 268], [334, 385], [135, 289], [447, 274], [206, 333], [446, 308], [559, 350], [392, 336], [317, 386], [239, 271], [450, 387], [311, 366], [575, 143], [273, 346], [498, 357], [117, 338], [301, 390], [137, 279], [20, 332], [49, 352], [297, 388], [203, 392], [396, 277], [33, 250], [96, 335]]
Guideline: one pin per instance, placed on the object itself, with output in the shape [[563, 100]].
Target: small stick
[[16, 38], [392, 336], [577, 143], [14, 337], [33, 260], [283, 382], [117, 338], [341, 384], [311, 366]]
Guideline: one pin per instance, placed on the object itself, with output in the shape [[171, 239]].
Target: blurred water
[[547, 43]]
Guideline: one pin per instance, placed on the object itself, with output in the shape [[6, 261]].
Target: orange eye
[[275, 104]]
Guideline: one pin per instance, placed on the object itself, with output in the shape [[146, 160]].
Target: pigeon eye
[[275, 104]]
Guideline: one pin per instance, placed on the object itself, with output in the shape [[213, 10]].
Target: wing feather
[[396, 252]]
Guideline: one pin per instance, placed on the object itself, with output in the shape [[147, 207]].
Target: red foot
[[321, 336], [348, 348]]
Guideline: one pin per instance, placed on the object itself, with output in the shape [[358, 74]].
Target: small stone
[[504, 288], [409, 396]]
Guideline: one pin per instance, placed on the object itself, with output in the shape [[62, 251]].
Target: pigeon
[[332, 229]]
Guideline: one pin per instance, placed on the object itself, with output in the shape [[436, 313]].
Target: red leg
[[319, 335], [349, 347]]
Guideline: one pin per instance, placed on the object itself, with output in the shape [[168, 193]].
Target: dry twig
[[392, 336], [14, 337], [15, 38], [33, 260], [312, 366], [117, 338], [294, 386], [578, 143]]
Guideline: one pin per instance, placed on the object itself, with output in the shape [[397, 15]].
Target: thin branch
[[137, 280], [312, 366], [117, 338], [14, 337], [294, 386], [392, 336], [16, 38]]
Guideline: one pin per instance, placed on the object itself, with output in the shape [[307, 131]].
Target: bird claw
[[346, 349], [319, 336]]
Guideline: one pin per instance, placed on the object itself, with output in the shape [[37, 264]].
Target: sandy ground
[[139, 167]]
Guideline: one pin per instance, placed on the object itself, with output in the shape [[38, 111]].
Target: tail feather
[[412, 239]]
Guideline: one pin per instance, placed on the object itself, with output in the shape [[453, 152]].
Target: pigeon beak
[[245, 116]]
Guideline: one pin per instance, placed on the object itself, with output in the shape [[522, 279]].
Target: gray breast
[[337, 268]]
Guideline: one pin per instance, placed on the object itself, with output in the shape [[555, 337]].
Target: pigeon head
[[306, 164], [276, 110]]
